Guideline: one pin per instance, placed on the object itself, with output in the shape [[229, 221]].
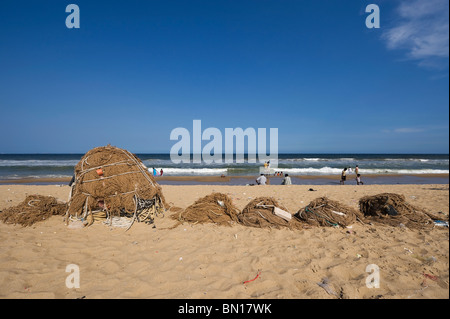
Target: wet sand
[[274, 180]]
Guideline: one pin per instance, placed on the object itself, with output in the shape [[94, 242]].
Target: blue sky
[[136, 70]]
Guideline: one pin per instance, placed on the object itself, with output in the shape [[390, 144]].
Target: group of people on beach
[[349, 171], [262, 180], [156, 173]]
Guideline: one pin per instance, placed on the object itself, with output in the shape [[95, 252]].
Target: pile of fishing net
[[325, 212], [215, 208], [111, 183], [392, 209], [34, 208], [266, 212]]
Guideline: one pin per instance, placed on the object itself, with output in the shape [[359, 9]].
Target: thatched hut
[[112, 182]]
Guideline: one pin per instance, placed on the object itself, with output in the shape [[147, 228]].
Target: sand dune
[[210, 261]]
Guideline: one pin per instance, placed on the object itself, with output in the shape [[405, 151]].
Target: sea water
[[25, 166]]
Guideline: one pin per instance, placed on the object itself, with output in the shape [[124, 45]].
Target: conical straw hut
[[112, 182]]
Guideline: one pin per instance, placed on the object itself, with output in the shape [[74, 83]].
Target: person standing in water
[[343, 176]]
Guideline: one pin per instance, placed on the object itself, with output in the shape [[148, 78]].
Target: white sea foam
[[34, 163], [337, 171], [194, 171], [17, 177]]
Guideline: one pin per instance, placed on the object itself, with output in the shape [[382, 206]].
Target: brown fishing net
[[215, 208], [260, 213], [34, 208], [116, 182], [325, 212], [392, 209]]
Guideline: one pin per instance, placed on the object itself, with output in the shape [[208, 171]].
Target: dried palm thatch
[[215, 208], [116, 183], [260, 213], [325, 212], [392, 209], [34, 208]]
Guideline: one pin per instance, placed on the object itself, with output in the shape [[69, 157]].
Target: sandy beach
[[207, 261]]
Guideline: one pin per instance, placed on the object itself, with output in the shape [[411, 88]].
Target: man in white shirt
[[286, 180], [261, 180]]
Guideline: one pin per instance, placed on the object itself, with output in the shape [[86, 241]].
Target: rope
[[101, 179], [138, 165], [121, 222], [307, 209], [135, 210], [101, 166], [32, 201]]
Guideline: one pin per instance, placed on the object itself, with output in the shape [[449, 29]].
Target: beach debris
[[215, 208], [77, 224], [111, 183], [326, 212], [265, 212], [440, 223], [392, 209], [257, 276], [425, 260], [441, 283], [408, 250], [34, 208], [325, 284], [432, 277], [282, 213]]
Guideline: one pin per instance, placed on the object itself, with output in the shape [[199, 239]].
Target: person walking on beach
[[261, 180], [286, 180], [343, 176], [358, 180]]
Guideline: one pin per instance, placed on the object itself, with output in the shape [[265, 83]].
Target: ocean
[[35, 166]]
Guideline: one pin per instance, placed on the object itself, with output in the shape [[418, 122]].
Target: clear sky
[[136, 70]]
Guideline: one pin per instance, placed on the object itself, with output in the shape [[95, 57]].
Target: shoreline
[[273, 180]]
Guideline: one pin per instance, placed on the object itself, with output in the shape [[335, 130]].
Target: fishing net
[[34, 208], [325, 212], [112, 182], [215, 208], [260, 212], [392, 209]]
